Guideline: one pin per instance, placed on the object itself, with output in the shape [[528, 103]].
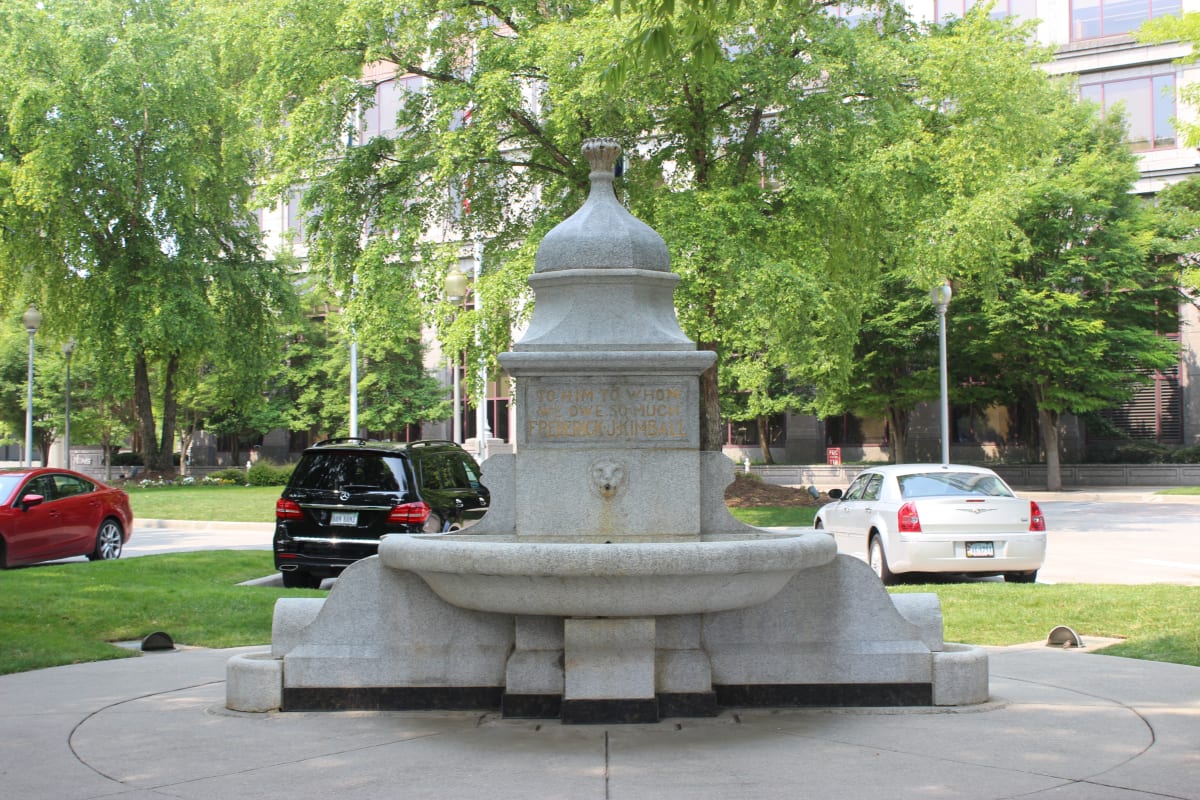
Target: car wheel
[[878, 561], [1020, 577], [434, 524], [301, 580], [109, 540]]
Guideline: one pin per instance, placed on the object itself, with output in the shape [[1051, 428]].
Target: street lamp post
[[32, 319], [482, 431], [68, 347], [940, 297], [353, 383], [455, 288]]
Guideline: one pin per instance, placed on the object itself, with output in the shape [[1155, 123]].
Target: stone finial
[[601, 153], [602, 234]]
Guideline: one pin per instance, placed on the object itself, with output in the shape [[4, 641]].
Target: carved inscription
[[603, 414]]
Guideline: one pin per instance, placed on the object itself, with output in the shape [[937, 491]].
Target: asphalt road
[[1121, 542]]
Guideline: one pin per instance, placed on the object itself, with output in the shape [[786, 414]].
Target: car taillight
[[1036, 521], [287, 509], [409, 514], [907, 519]]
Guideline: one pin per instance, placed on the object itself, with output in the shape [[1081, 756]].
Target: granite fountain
[[608, 583]]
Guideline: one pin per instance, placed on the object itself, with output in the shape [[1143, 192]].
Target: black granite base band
[[693, 704], [834, 694], [531, 706], [584, 712], [392, 698], [609, 712]]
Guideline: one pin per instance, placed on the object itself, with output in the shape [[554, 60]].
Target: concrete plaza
[[1060, 724]]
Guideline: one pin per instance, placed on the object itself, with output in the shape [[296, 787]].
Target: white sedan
[[936, 518]]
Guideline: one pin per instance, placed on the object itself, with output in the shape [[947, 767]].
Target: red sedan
[[56, 513]]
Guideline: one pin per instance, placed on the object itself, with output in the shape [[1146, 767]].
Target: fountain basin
[[513, 575]]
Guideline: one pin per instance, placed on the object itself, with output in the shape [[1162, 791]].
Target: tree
[[1078, 323], [755, 166], [979, 127], [123, 191]]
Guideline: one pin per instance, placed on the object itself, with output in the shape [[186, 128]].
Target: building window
[[380, 118], [294, 220], [1155, 412], [745, 432], [1091, 19], [849, 429], [1149, 106], [984, 425], [853, 14], [1023, 9]]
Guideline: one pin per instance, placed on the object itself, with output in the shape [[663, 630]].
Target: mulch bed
[[748, 491]]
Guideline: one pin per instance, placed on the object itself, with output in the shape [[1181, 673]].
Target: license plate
[[981, 550], [349, 518]]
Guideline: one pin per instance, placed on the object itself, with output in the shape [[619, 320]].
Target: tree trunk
[[1048, 422], [898, 424], [764, 438], [710, 408], [164, 461], [106, 443], [45, 439], [143, 409]]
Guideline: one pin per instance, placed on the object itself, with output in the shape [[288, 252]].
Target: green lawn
[[72, 612], [230, 503], [67, 613], [776, 516]]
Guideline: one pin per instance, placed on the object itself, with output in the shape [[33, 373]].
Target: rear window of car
[[351, 471], [447, 471], [951, 484]]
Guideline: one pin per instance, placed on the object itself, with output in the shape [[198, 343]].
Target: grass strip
[[205, 503], [67, 613], [73, 612]]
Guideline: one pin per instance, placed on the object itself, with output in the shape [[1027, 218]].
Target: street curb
[[212, 525]]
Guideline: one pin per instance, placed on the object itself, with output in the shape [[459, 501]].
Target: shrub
[[1184, 455], [1140, 453], [130, 459], [264, 473], [227, 475]]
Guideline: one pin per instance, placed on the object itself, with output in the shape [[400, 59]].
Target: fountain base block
[[831, 636]]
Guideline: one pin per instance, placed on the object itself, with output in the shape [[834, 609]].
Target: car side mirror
[[30, 500], [835, 494]]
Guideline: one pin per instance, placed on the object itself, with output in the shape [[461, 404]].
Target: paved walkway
[[1061, 724]]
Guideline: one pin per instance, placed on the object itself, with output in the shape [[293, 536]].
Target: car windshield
[[335, 471], [951, 484], [8, 484]]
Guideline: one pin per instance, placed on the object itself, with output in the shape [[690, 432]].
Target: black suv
[[346, 493]]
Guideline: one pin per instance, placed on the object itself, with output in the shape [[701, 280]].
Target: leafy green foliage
[[123, 190], [264, 473]]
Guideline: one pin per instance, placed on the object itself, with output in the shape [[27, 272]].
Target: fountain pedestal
[[608, 582]]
